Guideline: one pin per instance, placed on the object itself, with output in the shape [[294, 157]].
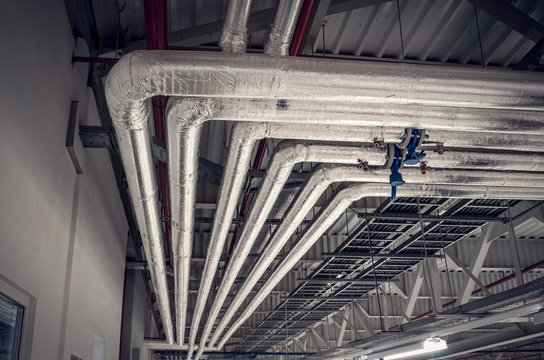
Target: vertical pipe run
[[234, 34], [304, 19], [156, 27]]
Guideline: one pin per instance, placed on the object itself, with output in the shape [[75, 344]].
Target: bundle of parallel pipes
[[490, 120]]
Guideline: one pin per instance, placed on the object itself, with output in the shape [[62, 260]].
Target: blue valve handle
[[395, 179]]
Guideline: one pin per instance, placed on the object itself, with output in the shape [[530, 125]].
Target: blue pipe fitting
[[412, 156], [395, 179]]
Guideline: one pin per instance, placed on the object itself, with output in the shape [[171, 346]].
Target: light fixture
[[430, 345]]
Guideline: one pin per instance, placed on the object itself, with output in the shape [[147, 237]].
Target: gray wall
[[62, 235]]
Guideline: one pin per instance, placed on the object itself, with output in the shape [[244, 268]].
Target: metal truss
[[391, 240]]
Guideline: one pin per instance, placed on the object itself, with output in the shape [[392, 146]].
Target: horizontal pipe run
[[142, 74], [328, 216], [437, 121], [242, 354], [323, 298]]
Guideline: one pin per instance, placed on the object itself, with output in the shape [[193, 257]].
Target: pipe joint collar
[[233, 41]]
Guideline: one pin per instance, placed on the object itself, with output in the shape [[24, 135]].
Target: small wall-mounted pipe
[[336, 207]]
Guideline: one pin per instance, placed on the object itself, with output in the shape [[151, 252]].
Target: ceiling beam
[[208, 33], [533, 57], [511, 16], [340, 6]]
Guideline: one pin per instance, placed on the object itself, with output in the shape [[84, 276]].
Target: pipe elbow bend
[[127, 87], [184, 114], [290, 152], [249, 131]]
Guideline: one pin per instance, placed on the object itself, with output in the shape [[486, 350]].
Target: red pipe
[[156, 23], [303, 23], [301, 29], [98, 60]]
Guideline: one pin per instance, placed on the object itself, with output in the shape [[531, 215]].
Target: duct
[[287, 154], [135, 147], [336, 207], [234, 34], [283, 27]]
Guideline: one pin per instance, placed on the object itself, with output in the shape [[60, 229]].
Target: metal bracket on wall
[[104, 138], [70, 138]]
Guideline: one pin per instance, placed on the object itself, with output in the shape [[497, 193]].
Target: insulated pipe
[[485, 128], [338, 205], [183, 143], [324, 176], [462, 159], [140, 75], [234, 34], [286, 155], [135, 147], [185, 118], [289, 152], [428, 117], [243, 137], [283, 27]]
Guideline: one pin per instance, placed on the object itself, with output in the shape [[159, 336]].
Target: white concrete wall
[[44, 216], [136, 311]]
